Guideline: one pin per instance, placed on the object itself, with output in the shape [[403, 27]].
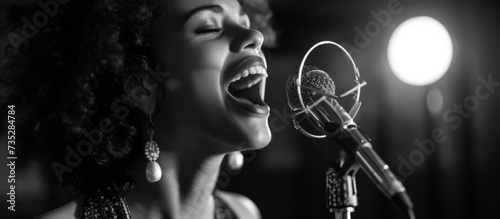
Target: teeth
[[261, 69], [245, 74], [238, 78], [253, 83], [251, 71], [258, 70]]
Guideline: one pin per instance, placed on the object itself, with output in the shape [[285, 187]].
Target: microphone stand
[[341, 192]]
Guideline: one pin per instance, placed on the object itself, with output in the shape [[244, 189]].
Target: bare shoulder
[[65, 211], [242, 206]]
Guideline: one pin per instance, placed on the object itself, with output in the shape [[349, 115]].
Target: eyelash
[[208, 30]]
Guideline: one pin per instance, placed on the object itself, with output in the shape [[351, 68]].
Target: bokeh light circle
[[420, 51]]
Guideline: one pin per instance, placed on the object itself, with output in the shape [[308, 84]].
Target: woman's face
[[216, 82]]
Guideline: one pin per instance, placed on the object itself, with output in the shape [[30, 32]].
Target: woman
[[151, 95]]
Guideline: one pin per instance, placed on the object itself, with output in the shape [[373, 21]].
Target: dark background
[[457, 180]]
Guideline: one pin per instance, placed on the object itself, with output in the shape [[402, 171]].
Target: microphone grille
[[313, 77]]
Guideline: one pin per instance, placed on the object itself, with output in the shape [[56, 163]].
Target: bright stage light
[[420, 51]]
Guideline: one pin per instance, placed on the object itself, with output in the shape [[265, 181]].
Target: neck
[[189, 175]]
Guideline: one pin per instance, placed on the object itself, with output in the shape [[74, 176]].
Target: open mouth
[[246, 89]]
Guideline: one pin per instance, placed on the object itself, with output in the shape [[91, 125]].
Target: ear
[[142, 92]]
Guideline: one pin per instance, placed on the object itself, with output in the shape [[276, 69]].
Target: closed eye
[[207, 30]]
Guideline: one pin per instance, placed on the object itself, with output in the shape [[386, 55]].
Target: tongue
[[251, 95], [256, 108]]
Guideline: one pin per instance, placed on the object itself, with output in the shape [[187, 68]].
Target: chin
[[258, 139]]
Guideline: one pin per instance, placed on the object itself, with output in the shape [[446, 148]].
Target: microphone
[[330, 118]]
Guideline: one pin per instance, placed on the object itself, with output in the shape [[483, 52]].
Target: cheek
[[183, 55], [201, 71], [204, 56], [194, 62], [197, 71]]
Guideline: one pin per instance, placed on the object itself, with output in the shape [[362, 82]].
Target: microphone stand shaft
[[343, 215]]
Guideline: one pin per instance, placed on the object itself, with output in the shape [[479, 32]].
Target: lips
[[246, 86]]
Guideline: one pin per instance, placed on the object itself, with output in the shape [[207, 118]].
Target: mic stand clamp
[[341, 192]]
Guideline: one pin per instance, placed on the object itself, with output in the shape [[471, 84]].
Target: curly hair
[[68, 78]]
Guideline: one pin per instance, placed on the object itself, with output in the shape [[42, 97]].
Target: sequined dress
[[106, 203]]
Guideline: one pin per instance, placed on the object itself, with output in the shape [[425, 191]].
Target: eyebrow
[[214, 8]]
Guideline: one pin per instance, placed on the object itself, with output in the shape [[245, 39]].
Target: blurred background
[[454, 175], [439, 137]]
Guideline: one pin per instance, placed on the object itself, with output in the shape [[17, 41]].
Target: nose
[[246, 39]]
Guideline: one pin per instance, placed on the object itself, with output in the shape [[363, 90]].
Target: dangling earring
[[235, 160], [152, 152]]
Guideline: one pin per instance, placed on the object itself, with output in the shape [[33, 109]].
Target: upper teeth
[[251, 71]]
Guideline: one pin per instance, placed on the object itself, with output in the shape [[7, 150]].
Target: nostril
[[252, 46]]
